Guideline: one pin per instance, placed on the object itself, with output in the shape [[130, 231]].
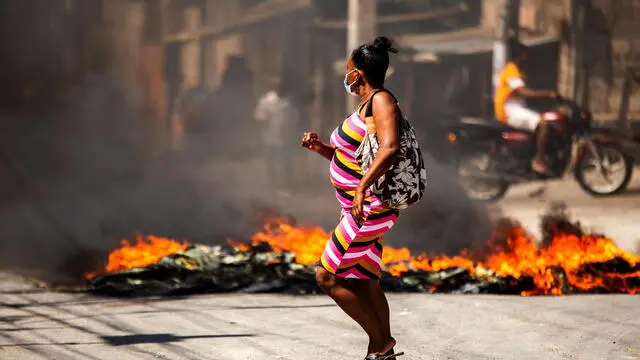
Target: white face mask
[[347, 86]]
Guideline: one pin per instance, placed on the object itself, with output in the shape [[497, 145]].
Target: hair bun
[[384, 44]]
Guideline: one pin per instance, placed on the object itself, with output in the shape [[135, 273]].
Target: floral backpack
[[406, 180]]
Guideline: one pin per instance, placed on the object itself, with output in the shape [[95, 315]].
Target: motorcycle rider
[[509, 101]]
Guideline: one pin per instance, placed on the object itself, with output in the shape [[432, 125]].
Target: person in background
[[188, 118], [278, 117], [234, 105], [349, 269], [510, 105]]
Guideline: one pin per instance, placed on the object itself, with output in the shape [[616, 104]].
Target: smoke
[[85, 174], [79, 176], [445, 221]]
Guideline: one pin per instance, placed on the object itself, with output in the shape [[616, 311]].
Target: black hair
[[373, 59], [515, 48]]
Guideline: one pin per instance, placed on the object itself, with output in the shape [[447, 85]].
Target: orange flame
[[147, 250], [568, 252], [519, 257]]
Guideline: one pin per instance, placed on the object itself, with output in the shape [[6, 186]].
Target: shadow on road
[[631, 192], [161, 338], [280, 307], [132, 340]]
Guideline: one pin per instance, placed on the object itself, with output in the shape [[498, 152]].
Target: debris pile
[[283, 257]]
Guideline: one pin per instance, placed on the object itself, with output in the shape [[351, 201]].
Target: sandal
[[386, 356], [383, 357]]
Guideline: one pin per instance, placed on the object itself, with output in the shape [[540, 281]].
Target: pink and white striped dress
[[354, 251]]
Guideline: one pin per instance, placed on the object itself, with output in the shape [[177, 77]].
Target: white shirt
[[279, 116], [515, 101]]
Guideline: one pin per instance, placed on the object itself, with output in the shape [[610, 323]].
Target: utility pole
[[361, 27], [508, 25]]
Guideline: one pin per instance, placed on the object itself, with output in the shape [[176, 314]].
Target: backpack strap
[[368, 113]]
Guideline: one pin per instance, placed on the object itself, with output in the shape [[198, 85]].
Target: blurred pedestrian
[[278, 115], [234, 104], [189, 119]]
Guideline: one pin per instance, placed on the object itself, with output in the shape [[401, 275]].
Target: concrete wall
[[609, 46], [47, 48], [224, 47], [207, 60], [613, 45], [191, 50], [123, 22]]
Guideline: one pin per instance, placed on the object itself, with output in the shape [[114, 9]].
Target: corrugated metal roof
[[427, 48]]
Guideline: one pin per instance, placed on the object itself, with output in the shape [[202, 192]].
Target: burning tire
[[282, 258], [614, 169], [475, 176]]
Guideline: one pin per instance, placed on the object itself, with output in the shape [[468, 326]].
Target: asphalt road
[[37, 324]]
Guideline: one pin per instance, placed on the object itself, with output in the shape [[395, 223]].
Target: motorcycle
[[491, 156]]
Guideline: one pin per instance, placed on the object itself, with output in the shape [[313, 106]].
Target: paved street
[[38, 325]]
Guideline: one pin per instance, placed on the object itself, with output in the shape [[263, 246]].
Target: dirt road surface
[[38, 324]]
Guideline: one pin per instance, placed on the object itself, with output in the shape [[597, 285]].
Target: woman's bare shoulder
[[383, 100]]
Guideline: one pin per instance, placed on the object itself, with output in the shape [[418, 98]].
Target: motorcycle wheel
[[474, 176], [614, 163]]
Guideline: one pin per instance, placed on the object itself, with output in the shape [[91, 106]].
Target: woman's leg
[[360, 305], [344, 294], [372, 297]]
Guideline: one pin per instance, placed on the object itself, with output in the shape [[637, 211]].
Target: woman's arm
[[326, 151], [385, 116]]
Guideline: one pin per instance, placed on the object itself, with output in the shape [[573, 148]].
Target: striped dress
[[354, 251]]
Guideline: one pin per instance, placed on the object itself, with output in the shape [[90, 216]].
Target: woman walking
[[349, 268]]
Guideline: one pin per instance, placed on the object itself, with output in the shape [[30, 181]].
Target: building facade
[[603, 48], [154, 49]]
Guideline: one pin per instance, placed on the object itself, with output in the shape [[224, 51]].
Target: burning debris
[[282, 258]]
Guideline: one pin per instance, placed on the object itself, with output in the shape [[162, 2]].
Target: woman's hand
[[357, 207], [312, 142]]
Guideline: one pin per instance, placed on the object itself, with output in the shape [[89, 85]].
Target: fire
[[147, 250], [520, 256], [572, 254], [306, 243]]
